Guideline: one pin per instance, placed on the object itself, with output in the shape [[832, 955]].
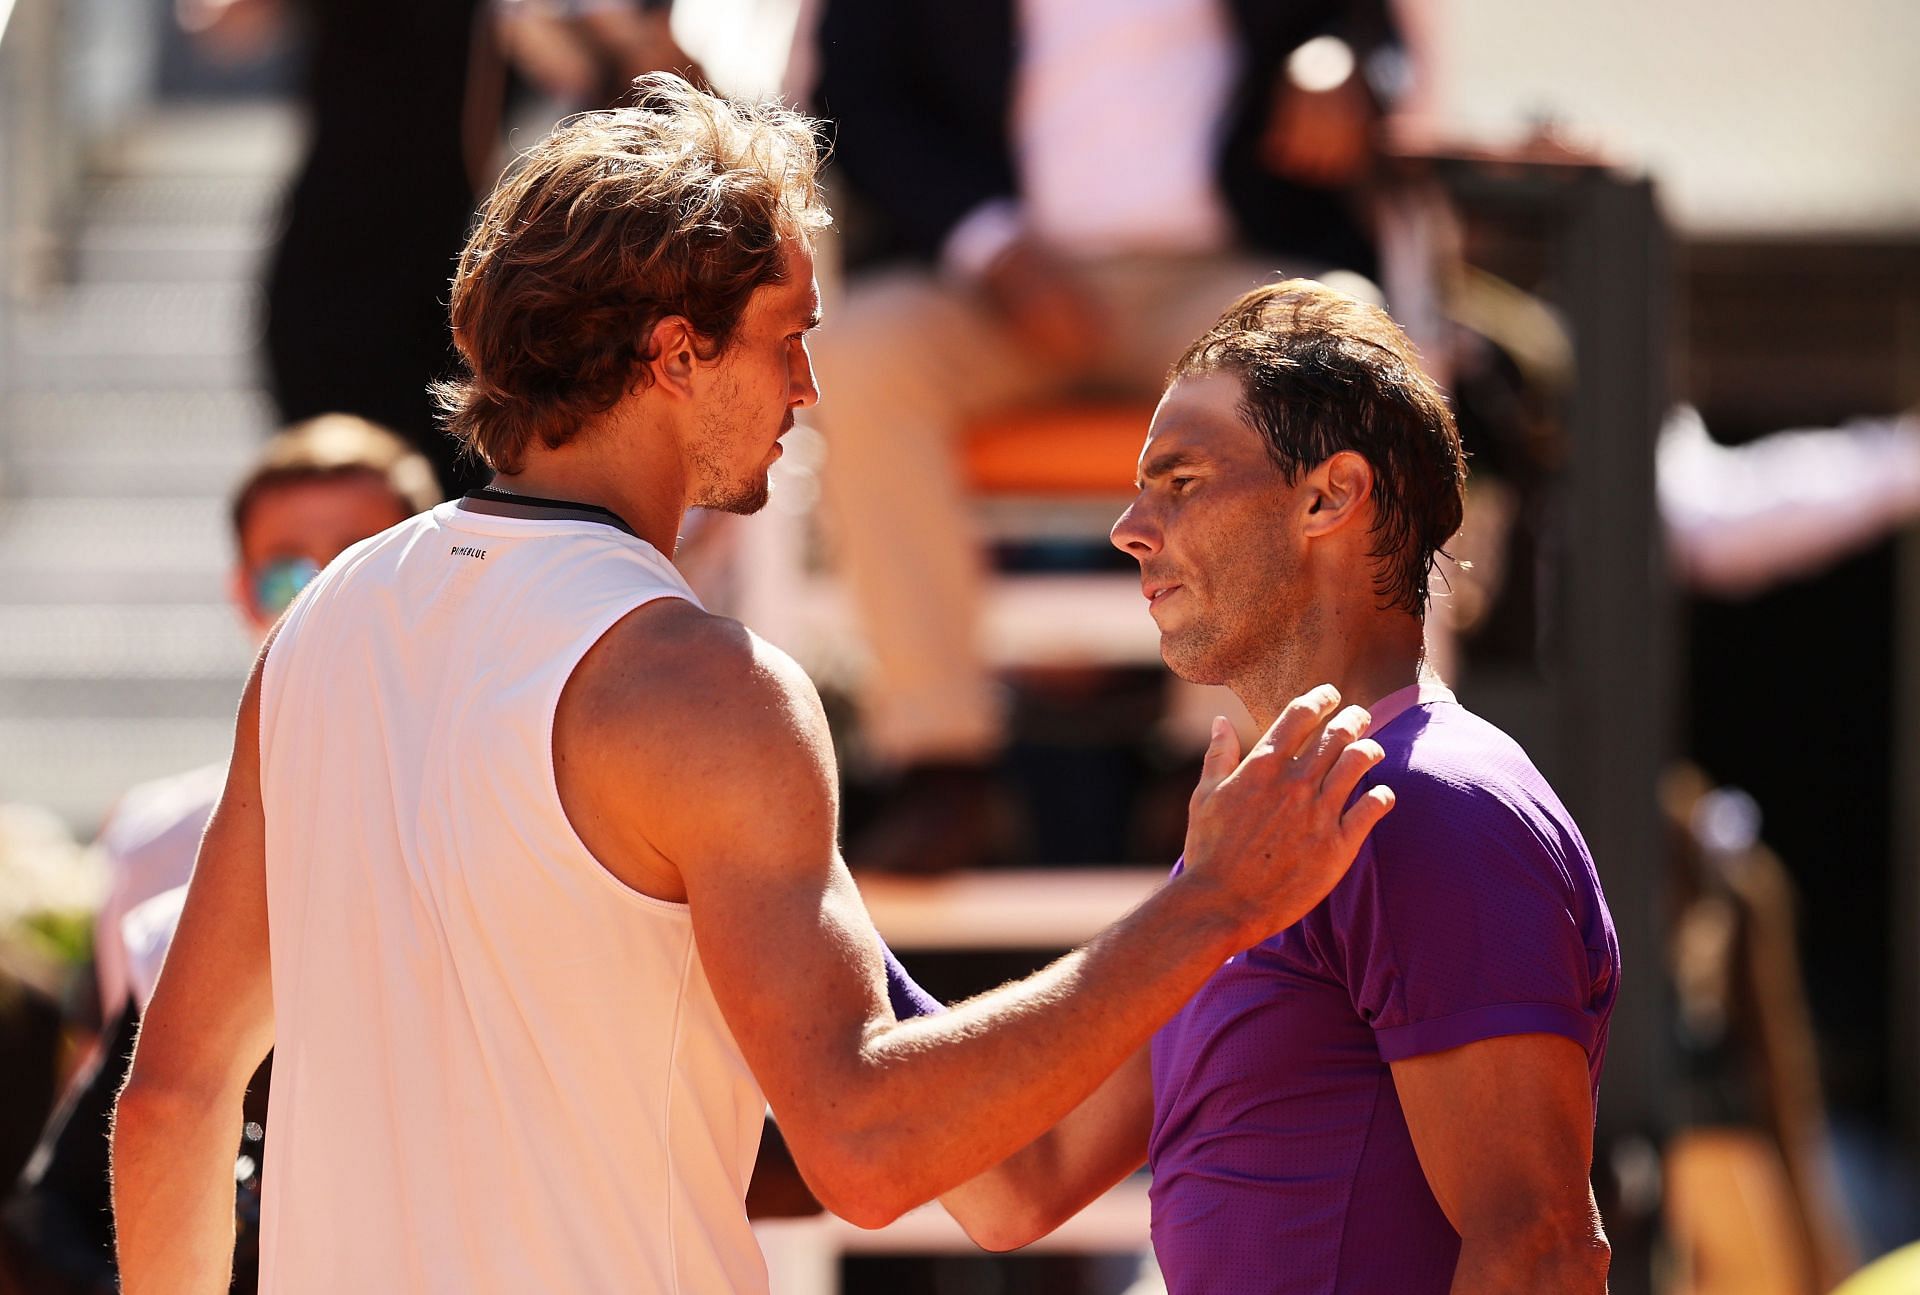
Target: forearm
[[1028, 1195], [173, 1191], [1010, 1204], [1570, 1262], [937, 1101], [1038, 1188]]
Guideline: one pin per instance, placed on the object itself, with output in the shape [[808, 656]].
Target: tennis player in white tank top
[[526, 864]]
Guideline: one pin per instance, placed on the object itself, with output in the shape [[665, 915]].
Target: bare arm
[[177, 1123], [1105, 1138], [685, 740], [777, 1191], [1066, 1169], [1504, 1132]]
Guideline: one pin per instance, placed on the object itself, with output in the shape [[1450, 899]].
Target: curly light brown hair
[[680, 204], [1323, 372]]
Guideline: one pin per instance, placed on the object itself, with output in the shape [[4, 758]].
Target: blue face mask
[[277, 583]]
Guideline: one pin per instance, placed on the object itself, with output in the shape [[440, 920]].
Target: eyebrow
[[1162, 464]]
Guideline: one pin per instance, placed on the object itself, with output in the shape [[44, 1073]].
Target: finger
[[1350, 767], [1222, 758], [1344, 729], [1299, 720], [1363, 815]]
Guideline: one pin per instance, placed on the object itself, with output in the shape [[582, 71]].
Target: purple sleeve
[[908, 998], [1461, 923]]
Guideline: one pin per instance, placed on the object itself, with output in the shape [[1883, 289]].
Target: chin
[[743, 500], [1190, 660]]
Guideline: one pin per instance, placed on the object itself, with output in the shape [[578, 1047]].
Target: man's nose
[[804, 390], [1135, 534]]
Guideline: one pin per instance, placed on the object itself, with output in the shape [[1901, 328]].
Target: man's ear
[[673, 351], [1337, 491]]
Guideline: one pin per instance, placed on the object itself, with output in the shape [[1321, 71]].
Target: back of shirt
[[497, 1068]]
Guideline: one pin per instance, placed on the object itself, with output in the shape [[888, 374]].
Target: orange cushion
[[1066, 450]]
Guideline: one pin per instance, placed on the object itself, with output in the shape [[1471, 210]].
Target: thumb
[[1222, 758]]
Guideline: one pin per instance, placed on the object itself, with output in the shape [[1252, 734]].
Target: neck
[[1384, 653], [612, 469]]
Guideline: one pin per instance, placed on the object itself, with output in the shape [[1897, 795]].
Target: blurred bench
[[1040, 475]]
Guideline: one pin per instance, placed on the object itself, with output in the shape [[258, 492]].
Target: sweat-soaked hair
[[1323, 372], [680, 204]]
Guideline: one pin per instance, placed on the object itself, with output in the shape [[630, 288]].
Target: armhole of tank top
[[551, 706], [272, 670]]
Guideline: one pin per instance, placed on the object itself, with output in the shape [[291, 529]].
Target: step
[[60, 699], [136, 336], [94, 641], [77, 767], [230, 203], [104, 550], [169, 254], [190, 229], [247, 140], [193, 442]]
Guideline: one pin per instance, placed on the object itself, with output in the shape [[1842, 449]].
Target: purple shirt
[[1281, 1160]]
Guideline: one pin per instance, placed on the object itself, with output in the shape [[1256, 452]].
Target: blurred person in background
[[48, 883], [1043, 199], [1741, 519], [586, 53], [403, 123], [314, 490]]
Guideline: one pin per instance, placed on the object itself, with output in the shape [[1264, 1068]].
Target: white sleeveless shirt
[[497, 1068]]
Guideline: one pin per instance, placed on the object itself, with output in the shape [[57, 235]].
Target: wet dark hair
[[1323, 372]]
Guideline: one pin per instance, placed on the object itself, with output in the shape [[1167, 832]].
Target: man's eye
[[1180, 483]]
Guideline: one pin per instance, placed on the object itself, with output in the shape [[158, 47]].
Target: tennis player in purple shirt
[[1395, 1094]]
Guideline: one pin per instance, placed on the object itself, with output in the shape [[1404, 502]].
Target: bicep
[[741, 798], [1503, 1128], [211, 1018]]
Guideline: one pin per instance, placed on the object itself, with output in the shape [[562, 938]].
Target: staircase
[[134, 405]]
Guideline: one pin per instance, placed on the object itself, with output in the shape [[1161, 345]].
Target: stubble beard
[[740, 496], [1193, 652], [1260, 647]]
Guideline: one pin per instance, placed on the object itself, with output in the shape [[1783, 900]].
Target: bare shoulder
[[700, 719], [670, 665]]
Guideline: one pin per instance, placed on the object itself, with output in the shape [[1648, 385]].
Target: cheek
[[1231, 563]]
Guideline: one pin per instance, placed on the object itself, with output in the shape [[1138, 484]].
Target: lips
[[785, 427], [1155, 590]]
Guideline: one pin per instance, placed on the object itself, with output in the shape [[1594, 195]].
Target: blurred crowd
[[1038, 205]]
